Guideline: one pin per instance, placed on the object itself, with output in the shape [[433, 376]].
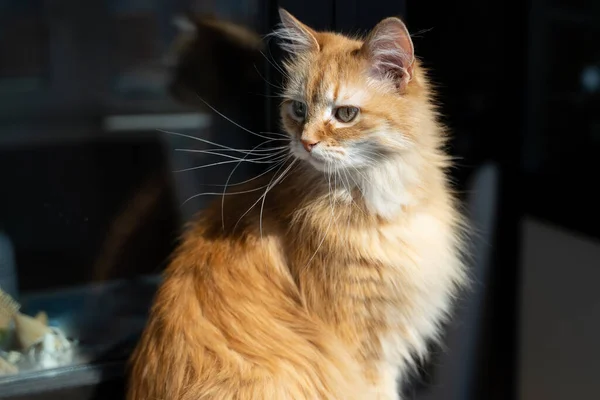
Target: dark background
[[518, 84]]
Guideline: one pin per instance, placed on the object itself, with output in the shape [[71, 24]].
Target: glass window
[[99, 111]]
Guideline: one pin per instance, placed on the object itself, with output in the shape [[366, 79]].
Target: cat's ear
[[185, 24], [295, 37], [390, 52]]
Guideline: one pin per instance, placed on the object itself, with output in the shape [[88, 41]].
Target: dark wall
[[476, 54]]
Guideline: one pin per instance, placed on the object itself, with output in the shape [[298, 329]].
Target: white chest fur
[[423, 271]]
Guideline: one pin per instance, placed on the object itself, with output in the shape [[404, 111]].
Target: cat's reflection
[[220, 62]]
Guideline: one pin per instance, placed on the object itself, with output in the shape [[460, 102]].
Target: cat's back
[[228, 322]]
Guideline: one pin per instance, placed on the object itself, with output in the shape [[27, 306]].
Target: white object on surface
[[54, 350], [7, 368]]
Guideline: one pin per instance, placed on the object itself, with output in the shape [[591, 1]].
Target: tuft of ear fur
[[390, 51], [294, 36]]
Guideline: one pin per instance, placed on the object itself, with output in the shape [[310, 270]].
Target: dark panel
[[475, 52], [77, 197]]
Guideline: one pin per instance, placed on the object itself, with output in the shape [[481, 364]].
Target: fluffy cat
[[326, 279]]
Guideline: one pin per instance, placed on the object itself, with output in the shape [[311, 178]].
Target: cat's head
[[349, 103]]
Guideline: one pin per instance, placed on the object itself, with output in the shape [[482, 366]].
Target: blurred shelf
[[119, 127], [61, 379]]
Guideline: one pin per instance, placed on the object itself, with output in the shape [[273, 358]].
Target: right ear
[[294, 35], [390, 52]]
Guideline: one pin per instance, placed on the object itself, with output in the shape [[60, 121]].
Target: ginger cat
[[327, 277]]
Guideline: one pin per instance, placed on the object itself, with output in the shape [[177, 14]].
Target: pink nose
[[309, 144]]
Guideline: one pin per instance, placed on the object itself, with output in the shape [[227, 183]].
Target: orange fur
[[332, 288]]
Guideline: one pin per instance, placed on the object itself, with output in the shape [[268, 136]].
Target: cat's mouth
[[317, 157], [323, 164]]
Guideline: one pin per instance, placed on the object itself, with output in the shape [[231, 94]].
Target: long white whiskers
[[245, 151], [227, 183], [331, 221], [260, 198], [285, 137], [213, 143], [221, 194], [254, 161], [349, 189], [265, 79], [238, 158], [271, 168], [275, 65], [264, 197]]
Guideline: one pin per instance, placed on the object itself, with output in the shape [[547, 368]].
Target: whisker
[[234, 157], [264, 198], [275, 65], [228, 162], [265, 79], [271, 168], [346, 174], [335, 185], [335, 181], [329, 186], [221, 194], [256, 202], [208, 141], [272, 96], [419, 33], [324, 236], [356, 183], [373, 151], [375, 154], [370, 158], [227, 183], [240, 126], [244, 151], [259, 199], [276, 133], [348, 188]]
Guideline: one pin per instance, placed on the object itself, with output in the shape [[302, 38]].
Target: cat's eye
[[346, 114], [298, 110]]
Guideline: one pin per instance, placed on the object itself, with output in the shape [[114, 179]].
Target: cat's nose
[[309, 144]]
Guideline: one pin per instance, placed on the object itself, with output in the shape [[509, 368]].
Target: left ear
[[390, 52], [184, 24], [295, 37]]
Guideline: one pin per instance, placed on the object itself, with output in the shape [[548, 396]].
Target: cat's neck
[[389, 187], [382, 192]]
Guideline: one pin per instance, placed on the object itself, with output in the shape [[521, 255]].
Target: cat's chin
[[326, 167], [318, 165], [314, 162]]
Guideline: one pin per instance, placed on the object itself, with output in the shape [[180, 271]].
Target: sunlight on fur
[[326, 276]]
